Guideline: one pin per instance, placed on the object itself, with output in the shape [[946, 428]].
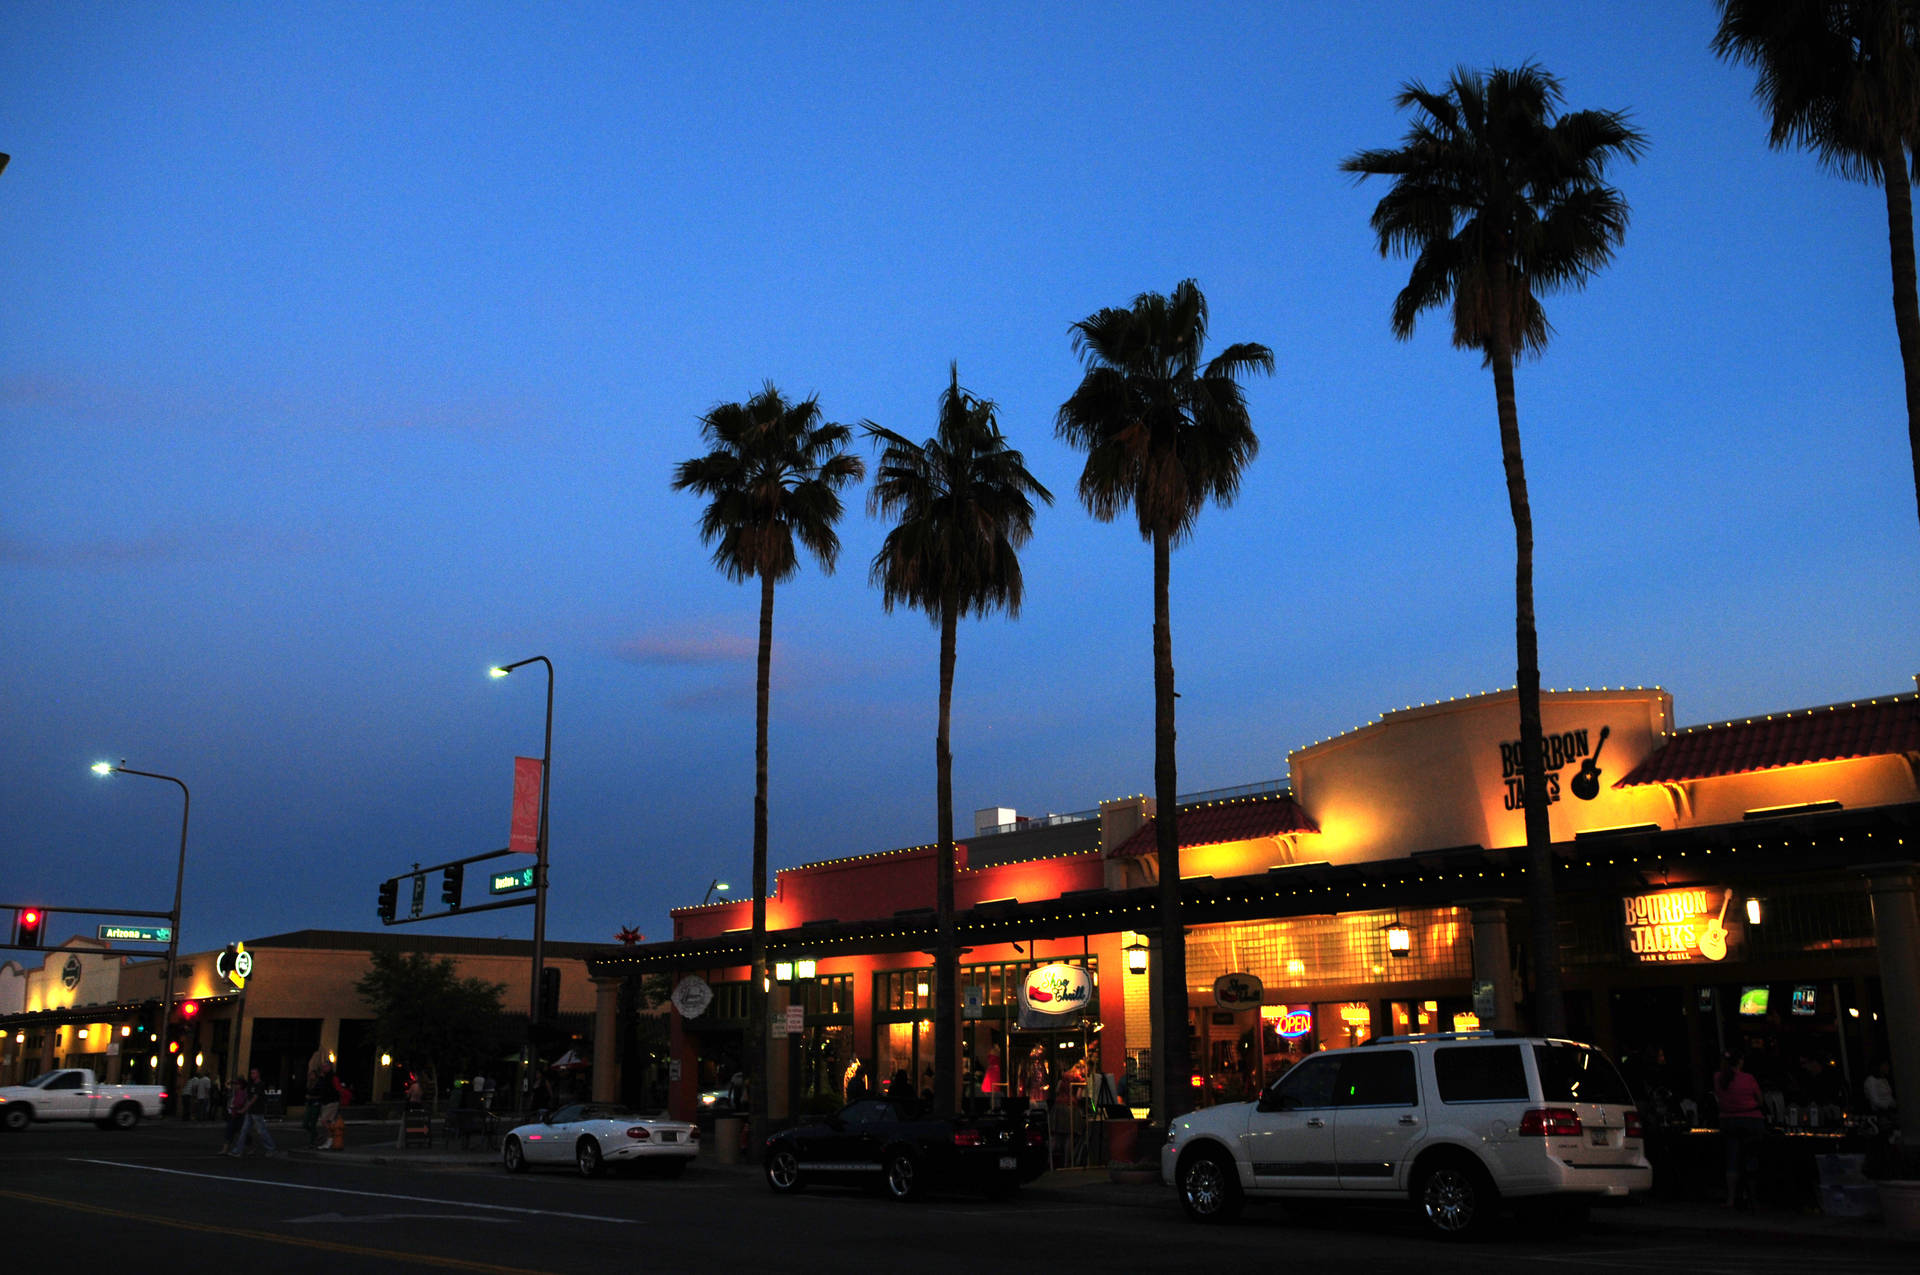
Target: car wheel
[[1456, 1198], [783, 1171], [19, 1116], [513, 1156], [587, 1156], [1209, 1186], [125, 1116], [902, 1176]]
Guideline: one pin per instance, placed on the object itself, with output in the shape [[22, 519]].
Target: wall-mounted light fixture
[[1755, 908], [804, 967], [783, 971], [1399, 939], [1137, 956]]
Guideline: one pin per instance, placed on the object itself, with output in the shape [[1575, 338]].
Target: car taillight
[[163, 1095], [1550, 1122], [640, 1133], [1036, 1135], [966, 1137], [1633, 1124], [693, 1134]]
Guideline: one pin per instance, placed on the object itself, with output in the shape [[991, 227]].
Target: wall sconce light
[[1137, 957], [153, 1061], [920, 988], [804, 967], [783, 971], [386, 1060], [20, 1038], [1754, 908], [126, 1031], [1399, 939], [83, 1033]]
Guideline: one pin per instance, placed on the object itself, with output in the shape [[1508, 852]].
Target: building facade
[[1745, 884]]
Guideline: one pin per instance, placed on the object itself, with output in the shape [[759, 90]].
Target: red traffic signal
[[31, 922], [189, 1009]]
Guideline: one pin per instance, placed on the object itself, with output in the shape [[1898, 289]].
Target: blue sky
[[350, 350]]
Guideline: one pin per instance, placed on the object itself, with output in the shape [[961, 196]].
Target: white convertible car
[[593, 1136]]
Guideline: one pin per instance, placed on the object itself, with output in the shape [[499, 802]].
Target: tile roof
[[1865, 728], [1236, 819]]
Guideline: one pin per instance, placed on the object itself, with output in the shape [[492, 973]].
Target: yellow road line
[[328, 1246]]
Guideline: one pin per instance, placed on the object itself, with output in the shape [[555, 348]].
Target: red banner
[[524, 836]]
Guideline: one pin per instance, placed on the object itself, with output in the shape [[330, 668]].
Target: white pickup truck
[[72, 1094]]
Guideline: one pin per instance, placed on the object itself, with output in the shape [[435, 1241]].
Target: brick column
[[606, 1029]]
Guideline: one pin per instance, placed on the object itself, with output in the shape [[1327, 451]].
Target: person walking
[[257, 1114], [338, 1096], [236, 1117], [319, 1094], [200, 1090], [1743, 1124]]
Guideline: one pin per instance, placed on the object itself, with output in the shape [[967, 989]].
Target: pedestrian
[[1878, 1090], [236, 1116], [256, 1130], [200, 1090], [319, 1094], [414, 1114], [856, 1081], [1036, 1079], [1743, 1125], [340, 1096], [990, 1079]]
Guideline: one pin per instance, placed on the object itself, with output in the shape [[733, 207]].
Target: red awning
[[1236, 819], [1866, 728]]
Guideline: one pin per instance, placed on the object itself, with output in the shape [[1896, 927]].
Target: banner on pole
[[524, 835]]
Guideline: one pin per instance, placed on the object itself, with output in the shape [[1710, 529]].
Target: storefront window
[[1342, 1024]]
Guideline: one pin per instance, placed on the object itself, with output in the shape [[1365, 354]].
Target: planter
[[1900, 1204]]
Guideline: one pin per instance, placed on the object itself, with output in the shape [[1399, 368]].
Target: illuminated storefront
[[1717, 885]]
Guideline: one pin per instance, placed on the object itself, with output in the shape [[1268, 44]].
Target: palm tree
[[963, 505], [1498, 203], [1164, 433], [1842, 78], [772, 481]]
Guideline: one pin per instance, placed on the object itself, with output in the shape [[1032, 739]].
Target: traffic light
[[32, 922], [189, 1010], [549, 993], [389, 899], [450, 880]]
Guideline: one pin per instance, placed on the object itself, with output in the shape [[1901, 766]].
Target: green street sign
[[510, 882], [138, 933]]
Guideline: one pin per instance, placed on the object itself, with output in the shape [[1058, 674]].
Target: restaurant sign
[[1237, 991], [1055, 995], [1678, 925]]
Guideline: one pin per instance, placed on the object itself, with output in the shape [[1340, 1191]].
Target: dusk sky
[[351, 347]]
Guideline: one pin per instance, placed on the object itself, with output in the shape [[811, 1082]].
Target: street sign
[[138, 933], [510, 882], [419, 893]]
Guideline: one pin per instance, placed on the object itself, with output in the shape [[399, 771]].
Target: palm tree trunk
[[1549, 1010], [946, 954], [1170, 1056], [1906, 297], [756, 1043]]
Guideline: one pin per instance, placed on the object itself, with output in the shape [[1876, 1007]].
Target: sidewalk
[[1622, 1222]]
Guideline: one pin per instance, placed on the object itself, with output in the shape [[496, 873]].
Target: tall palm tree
[[1842, 78], [772, 480], [963, 505], [1164, 433], [1498, 202]]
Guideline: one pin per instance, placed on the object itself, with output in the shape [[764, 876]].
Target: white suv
[[1456, 1123]]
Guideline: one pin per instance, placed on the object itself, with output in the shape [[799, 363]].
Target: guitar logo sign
[[1556, 753]]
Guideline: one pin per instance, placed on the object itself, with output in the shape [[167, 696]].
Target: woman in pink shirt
[[1742, 1123]]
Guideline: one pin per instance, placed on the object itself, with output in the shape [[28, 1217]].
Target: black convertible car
[[895, 1144]]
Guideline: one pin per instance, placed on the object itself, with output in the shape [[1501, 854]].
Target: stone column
[[1896, 940], [1493, 957], [606, 1028]]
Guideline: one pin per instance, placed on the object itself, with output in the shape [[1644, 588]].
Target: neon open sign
[[1296, 1022]]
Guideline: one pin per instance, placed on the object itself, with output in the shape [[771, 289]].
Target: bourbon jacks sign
[[1679, 925], [1557, 752]]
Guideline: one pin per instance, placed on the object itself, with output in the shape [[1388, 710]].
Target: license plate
[[1008, 1162], [669, 1135], [1599, 1137]]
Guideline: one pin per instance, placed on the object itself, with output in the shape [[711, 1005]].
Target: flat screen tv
[[1803, 998], [1753, 1001]]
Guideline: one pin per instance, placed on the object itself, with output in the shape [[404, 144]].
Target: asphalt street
[[162, 1192]]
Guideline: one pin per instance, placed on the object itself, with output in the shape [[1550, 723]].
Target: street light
[[104, 768], [540, 853], [716, 884], [1137, 956]]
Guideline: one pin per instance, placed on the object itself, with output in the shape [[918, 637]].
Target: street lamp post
[[717, 884], [539, 860], [173, 917]]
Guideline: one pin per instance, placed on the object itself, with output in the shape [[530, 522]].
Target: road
[[159, 1195]]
